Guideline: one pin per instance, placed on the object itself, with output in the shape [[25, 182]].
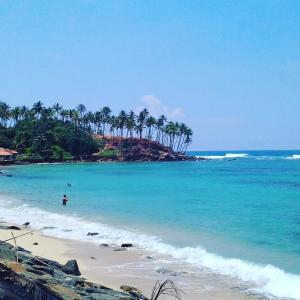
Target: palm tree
[[150, 123], [141, 119], [130, 123], [37, 108], [106, 111], [81, 109], [64, 113], [57, 109], [16, 113], [122, 118], [4, 113], [160, 128], [182, 130], [24, 110]]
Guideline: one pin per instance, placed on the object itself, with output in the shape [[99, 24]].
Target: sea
[[236, 214]]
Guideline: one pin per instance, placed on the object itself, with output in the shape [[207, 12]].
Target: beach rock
[[35, 243], [26, 224], [6, 252], [92, 233], [150, 257], [126, 245], [14, 227], [7, 255], [71, 267], [44, 269], [133, 292], [23, 250], [104, 245]]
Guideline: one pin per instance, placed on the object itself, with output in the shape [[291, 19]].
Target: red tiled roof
[[11, 151], [3, 152]]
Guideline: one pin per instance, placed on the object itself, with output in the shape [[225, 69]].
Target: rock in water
[[71, 267], [26, 224], [126, 245], [92, 233], [13, 228]]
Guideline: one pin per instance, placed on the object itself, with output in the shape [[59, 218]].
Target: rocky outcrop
[[135, 149], [43, 279]]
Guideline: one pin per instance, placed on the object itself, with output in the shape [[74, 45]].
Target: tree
[[141, 119], [57, 108], [37, 108]]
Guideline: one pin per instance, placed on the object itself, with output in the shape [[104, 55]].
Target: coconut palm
[[141, 119], [4, 113], [150, 123], [57, 108], [37, 108], [130, 123]]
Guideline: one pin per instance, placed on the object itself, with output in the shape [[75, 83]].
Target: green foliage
[[55, 133], [110, 153]]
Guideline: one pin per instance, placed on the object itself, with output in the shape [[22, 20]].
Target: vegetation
[[56, 133]]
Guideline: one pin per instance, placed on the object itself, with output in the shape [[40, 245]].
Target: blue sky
[[229, 69]]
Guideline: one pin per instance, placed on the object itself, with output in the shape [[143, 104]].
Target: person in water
[[64, 200]]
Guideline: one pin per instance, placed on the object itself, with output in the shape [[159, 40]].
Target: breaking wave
[[227, 155], [267, 280]]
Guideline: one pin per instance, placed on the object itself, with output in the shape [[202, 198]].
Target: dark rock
[[26, 224], [133, 292], [92, 233], [71, 267], [13, 227], [6, 252], [23, 250], [150, 257], [44, 269], [126, 245], [104, 245], [35, 243]]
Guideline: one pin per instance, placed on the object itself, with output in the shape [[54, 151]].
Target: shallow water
[[237, 214]]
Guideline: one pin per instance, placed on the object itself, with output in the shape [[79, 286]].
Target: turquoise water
[[233, 206]]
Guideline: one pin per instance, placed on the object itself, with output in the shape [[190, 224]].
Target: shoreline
[[133, 266], [113, 266]]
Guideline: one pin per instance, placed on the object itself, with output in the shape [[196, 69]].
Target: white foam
[[265, 279], [294, 156], [227, 155]]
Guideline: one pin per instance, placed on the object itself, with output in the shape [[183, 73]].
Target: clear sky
[[229, 69]]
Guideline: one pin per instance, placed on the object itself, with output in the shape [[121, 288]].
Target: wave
[[294, 156], [227, 155], [267, 280]]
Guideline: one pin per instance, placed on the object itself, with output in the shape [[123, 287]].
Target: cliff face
[[134, 149]]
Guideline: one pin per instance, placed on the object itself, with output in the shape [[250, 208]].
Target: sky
[[229, 69]]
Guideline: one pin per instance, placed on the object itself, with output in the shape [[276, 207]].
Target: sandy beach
[[112, 266]]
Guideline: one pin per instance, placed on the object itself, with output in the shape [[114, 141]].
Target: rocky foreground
[[25, 277]]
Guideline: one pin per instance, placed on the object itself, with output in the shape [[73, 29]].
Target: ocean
[[236, 214]]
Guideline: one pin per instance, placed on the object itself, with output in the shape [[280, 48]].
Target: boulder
[[13, 227], [92, 233], [71, 267], [126, 245], [133, 292]]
